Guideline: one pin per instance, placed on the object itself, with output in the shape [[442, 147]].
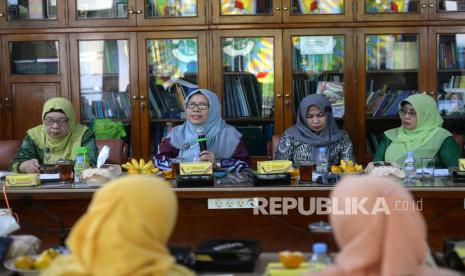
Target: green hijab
[[64, 147], [425, 139]]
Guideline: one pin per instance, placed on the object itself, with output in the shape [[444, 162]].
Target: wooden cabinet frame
[[361, 76], [350, 97], [10, 80], [133, 71], [75, 22], [59, 22], [143, 81]]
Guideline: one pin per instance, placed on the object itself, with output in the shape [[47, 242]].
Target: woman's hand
[[207, 156], [30, 166]]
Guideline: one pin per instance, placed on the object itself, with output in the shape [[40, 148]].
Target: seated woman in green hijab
[[421, 133], [58, 137]]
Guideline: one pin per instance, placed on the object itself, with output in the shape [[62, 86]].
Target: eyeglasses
[[319, 115], [411, 113], [50, 121], [201, 106]]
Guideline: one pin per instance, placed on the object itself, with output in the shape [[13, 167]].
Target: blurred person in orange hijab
[[391, 243], [124, 232]]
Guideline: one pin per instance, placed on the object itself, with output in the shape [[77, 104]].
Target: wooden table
[[443, 208]]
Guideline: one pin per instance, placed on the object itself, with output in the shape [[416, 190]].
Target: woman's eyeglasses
[[50, 121], [411, 113], [201, 106]]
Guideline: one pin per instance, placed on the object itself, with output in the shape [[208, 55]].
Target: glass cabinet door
[[236, 12], [394, 67], [171, 12], [447, 9], [34, 70], [104, 80], [391, 10], [320, 64], [102, 13], [317, 11], [447, 76], [174, 66], [249, 66], [32, 13]]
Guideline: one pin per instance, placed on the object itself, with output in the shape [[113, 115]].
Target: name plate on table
[[196, 168], [275, 166], [22, 180], [462, 164]]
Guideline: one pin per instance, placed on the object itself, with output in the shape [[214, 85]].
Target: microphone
[[27, 200], [328, 109], [201, 139]]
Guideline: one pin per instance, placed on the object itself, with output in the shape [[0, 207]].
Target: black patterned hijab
[[302, 132]]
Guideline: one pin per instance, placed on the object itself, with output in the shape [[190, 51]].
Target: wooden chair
[[7, 152], [118, 150]]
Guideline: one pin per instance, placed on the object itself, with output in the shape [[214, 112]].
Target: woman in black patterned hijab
[[301, 142]]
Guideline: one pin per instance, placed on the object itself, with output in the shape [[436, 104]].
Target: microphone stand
[[329, 178]]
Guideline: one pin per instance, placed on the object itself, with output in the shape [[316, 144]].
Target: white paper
[[49, 176], [103, 156], [4, 173], [451, 6], [437, 172], [316, 45]]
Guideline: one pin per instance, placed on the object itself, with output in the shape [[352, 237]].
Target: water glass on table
[[306, 171], [65, 170], [427, 169]]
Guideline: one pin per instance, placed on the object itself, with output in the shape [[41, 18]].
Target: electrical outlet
[[231, 203]]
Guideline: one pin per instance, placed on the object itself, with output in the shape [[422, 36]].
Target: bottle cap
[[320, 248], [323, 149], [80, 159], [82, 150]]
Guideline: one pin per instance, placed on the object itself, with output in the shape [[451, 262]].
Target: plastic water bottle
[[320, 259], [322, 167], [410, 169], [79, 167]]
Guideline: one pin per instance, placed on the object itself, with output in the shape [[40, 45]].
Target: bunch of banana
[[140, 167], [347, 167]]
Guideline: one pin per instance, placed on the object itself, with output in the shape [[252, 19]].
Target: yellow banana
[[125, 166], [135, 164], [148, 165], [129, 164], [155, 170], [141, 163], [343, 164]]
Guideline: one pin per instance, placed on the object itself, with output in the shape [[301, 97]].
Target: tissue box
[[23, 180], [101, 175]]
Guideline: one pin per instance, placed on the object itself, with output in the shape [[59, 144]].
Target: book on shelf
[[383, 52], [242, 96], [334, 91], [36, 9], [169, 103], [106, 105], [452, 53], [385, 103]]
